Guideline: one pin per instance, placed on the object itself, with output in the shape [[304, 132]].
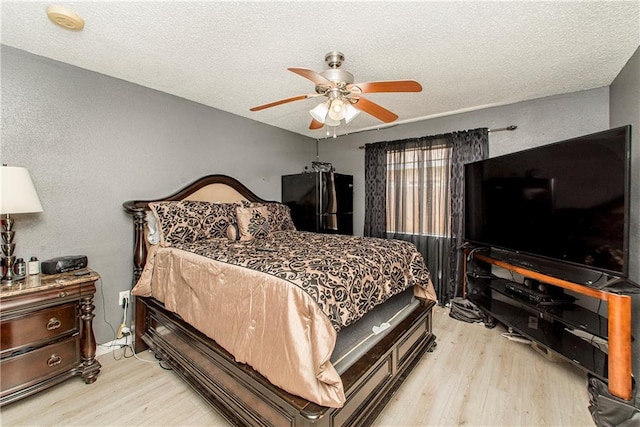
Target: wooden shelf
[[571, 314], [550, 326], [550, 333]]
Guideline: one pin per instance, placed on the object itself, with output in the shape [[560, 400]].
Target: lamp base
[[13, 280], [8, 247]]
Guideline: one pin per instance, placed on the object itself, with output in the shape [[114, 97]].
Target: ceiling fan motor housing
[[340, 77]]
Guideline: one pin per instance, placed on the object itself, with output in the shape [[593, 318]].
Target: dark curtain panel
[[375, 190], [412, 187], [468, 146]]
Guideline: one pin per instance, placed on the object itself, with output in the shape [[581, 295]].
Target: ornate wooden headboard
[[211, 188]]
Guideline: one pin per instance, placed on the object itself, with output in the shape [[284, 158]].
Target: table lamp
[[17, 196]]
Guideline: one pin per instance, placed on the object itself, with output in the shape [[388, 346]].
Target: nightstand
[[47, 333]]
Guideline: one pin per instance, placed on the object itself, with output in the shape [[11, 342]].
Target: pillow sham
[[279, 215], [188, 221], [232, 232], [178, 222], [153, 233], [253, 222]]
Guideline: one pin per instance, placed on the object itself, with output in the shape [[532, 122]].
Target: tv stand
[[600, 345]]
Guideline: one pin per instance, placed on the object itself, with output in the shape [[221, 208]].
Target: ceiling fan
[[344, 97]]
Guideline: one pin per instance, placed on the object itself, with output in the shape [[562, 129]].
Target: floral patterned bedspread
[[347, 276]]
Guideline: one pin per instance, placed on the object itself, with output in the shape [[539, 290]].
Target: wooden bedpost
[[139, 258], [139, 247]]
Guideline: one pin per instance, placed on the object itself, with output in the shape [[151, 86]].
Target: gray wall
[[90, 142], [624, 110]]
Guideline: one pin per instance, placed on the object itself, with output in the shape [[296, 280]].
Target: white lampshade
[[337, 110], [352, 113], [17, 193], [319, 112]]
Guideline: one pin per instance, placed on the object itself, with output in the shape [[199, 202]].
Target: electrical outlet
[[122, 297]]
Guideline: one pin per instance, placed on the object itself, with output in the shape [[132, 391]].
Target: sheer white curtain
[[407, 197]]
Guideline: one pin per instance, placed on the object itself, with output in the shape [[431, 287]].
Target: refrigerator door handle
[[330, 217], [332, 198], [322, 192]]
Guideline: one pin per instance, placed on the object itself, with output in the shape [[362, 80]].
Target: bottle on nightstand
[[20, 268], [34, 266]]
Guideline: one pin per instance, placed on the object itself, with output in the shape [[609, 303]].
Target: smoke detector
[[65, 18]]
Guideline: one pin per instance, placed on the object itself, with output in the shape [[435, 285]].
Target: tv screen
[[567, 201]]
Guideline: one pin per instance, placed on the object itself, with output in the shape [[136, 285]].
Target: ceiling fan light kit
[[344, 98]]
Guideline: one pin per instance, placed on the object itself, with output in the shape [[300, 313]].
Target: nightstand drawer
[[30, 368], [33, 328]]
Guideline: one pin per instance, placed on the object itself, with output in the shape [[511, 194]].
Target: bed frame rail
[[246, 398]]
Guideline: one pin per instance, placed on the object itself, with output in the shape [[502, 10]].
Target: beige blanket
[[276, 304]]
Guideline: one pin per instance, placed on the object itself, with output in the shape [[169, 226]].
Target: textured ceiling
[[234, 55]]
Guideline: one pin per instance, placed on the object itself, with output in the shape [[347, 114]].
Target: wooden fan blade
[[389, 86], [282, 101], [315, 77], [375, 110], [315, 124]]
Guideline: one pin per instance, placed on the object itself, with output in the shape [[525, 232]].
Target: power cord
[[104, 317], [160, 362], [511, 335], [104, 308], [123, 331], [128, 350]]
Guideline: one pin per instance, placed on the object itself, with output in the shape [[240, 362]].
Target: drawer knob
[[54, 360], [63, 294], [53, 324]]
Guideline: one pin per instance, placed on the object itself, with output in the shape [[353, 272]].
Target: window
[[418, 191]]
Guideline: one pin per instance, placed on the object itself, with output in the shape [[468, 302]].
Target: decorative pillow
[[218, 219], [188, 221], [178, 222], [279, 215], [253, 222], [153, 233], [232, 232]]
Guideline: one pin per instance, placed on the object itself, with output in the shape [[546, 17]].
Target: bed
[[254, 315]]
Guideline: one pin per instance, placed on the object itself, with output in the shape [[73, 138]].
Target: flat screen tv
[[567, 201]]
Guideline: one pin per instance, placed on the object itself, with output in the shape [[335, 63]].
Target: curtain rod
[[512, 127], [509, 128]]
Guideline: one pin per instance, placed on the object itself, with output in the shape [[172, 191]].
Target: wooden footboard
[[244, 397]]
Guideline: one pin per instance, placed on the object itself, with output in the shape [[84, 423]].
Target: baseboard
[[108, 347]]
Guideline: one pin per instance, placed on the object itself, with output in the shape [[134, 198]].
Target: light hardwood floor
[[475, 377]]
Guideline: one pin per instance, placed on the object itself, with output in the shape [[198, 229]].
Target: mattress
[[358, 338]]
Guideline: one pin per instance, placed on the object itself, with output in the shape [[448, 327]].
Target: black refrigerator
[[320, 201]]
